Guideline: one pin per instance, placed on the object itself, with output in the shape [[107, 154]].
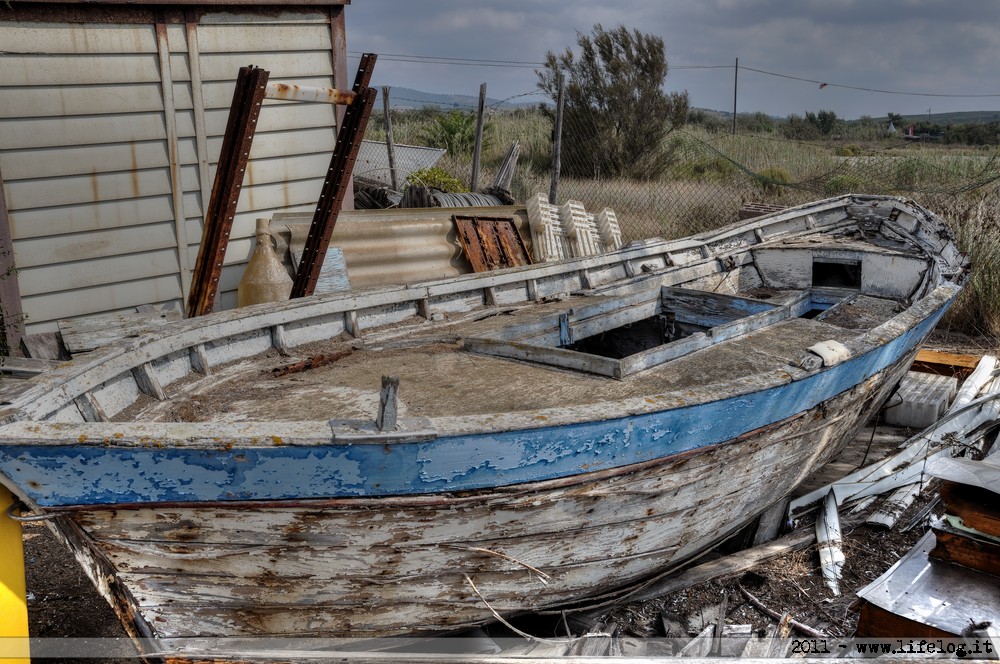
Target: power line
[[863, 89], [525, 64]]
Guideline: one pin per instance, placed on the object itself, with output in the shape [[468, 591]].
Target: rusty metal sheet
[[490, 243]]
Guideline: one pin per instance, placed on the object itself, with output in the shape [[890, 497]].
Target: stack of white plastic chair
[[607, 225], [569, 231], [547, 235], [580, 229]]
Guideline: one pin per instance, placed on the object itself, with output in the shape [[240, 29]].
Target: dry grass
[[713, 175]]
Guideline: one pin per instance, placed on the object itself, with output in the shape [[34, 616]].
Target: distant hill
[[408, 98], [961, 117]]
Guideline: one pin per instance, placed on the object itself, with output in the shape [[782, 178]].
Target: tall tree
[[617, 114]]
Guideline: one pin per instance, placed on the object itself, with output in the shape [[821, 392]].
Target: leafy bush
[[850, 150], [771, 179], [844, 183], [438, 178]]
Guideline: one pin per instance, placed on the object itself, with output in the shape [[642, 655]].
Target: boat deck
[[439, 378]]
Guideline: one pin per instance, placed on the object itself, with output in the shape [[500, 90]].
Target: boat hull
[[374, 567]]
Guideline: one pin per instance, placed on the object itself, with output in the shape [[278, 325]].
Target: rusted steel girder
[[251, 85], [345, 153]]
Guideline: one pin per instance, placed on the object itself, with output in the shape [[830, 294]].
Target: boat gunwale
[[91, 370]]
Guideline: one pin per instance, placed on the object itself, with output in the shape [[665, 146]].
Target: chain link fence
[[708, 177]]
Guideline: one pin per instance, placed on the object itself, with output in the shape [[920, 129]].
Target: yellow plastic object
[[13, 601]]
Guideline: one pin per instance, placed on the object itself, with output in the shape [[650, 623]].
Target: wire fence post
[[474, 180], [557, 142], [390, 145]]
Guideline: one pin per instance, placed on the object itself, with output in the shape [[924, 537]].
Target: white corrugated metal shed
[[111, 122]]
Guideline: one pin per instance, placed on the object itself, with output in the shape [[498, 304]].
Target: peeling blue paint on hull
[[108, 475]]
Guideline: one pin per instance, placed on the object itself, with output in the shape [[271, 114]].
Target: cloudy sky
[[906, 56]]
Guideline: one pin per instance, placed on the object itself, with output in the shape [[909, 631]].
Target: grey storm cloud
[[931, 47]]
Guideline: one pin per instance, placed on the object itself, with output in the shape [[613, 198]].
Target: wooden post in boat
[[387, 407], [13, 602]]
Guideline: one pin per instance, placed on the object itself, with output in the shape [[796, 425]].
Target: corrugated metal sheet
[[109, 135], [399, 246]]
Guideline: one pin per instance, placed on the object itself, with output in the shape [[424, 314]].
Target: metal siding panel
[[223, 67], [26, 194], [96, 272], [69, 161], [35, 70], [92, 38], [282, 195], [306, 167], [85, 301], [230, 38], [27, 102], [26, 224], [285, 117], [70, 131], [293, 144], [236, 17], [95, 244]]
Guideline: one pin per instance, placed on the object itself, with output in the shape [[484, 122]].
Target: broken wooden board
[[975, 505], [25, 367], [491, 243], [944, 363], [970, 549], [81, 335]]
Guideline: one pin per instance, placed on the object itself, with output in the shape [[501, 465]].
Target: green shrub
[[438, 178], [845, 183], [850, 150], [709, 168], [772, 178]]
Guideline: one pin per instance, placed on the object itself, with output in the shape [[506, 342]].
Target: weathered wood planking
[[85, 334], [283, 527], [409, 564]]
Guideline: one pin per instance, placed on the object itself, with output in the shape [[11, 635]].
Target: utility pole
[[736, 80]]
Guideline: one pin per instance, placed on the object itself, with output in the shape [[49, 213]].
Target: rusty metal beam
[[293, 92], [243, 114], [335, 186]]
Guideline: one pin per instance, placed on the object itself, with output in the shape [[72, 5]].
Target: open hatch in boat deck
[[582, 349]]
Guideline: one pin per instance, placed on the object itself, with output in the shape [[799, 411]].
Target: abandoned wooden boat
[[562, 430]]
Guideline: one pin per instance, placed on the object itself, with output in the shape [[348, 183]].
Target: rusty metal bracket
[[331, 198], [248, 96]]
